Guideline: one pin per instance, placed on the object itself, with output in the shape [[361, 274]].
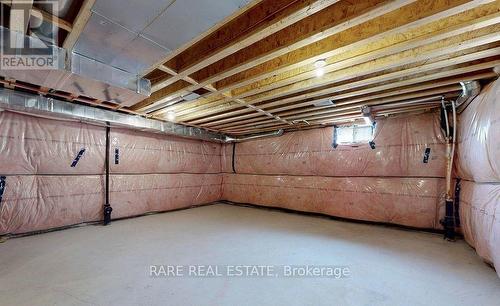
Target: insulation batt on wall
[[405, 201], [400, 145], [43, 191], [302, 171], [141, 152], [478, 165]]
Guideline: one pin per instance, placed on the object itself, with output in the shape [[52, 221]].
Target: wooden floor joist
[[341, 16], [331, 20], [354, 105], [397, 22], [472, 22], [360, 83], [265, 18], [298, 64]]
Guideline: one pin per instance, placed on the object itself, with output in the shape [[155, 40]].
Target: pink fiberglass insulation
[[226, 158], [33, 145], [478, 164], [302, 171], [136, 194], [480, 218], [43, 190], [141, 152], [478, 150], [400, 144], [32, 203], [412, 202]]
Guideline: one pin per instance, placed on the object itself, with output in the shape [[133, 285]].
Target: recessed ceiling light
[[319, 72]]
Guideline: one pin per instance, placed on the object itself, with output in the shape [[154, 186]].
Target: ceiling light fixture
[[319, 64], [171, 116]]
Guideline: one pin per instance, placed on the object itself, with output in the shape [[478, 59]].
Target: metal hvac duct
[[414, 102], [146, 32], [52, 108], [470, 90], [229, 139], [78, 75]]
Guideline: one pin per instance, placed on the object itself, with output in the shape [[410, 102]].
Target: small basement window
[[353, 134]]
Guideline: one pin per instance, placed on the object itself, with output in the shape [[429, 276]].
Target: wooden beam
[[351, 104], [446, 48], [79, 24], [417, 69], [269, 16], [394, 84], [396, 22], [144, 104], [331, 20], [399, 87], [334, 19], [358, 109], [344, 118], [366, 69], [387, 43], [265, 18], [463, 31], [367, 100]]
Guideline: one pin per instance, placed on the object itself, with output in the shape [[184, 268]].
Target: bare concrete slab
[[97, 265]]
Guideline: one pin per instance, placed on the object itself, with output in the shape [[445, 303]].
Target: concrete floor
[[95, 265]]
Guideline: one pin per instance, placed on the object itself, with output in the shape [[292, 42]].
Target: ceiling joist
[[298, 64], [469, 16]]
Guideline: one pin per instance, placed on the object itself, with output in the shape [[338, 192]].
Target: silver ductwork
[[119, 42], [52, 108], [229, 139], [470, 90], [415, 102], [144, 33], [79, 75]]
